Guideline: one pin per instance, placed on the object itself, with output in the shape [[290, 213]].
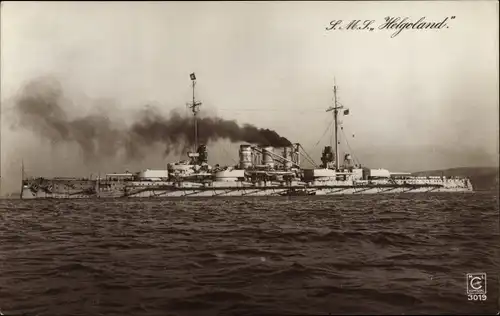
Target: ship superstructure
[[262, 170]]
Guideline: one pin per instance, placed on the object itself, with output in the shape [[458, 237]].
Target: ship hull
[[149, 190]]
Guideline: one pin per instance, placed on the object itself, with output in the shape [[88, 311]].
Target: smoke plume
[[42, 108]]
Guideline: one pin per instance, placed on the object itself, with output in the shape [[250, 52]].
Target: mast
[[335, 109], [194, 107]]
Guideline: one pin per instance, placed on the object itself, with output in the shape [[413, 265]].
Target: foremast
[[194, 106]]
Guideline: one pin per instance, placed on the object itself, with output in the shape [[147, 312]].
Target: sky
[[424, 99]]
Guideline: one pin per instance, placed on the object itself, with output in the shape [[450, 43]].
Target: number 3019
[[476, 297]]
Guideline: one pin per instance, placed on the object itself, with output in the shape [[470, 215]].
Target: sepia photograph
[[249, 158]]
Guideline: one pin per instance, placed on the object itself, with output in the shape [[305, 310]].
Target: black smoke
[[43, 108]]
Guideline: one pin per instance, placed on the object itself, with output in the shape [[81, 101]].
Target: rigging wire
[[229, 155], [307, 157], [269, 110], [356, 160], [324, 133], [222, 149], [317, 143], [331, 135]]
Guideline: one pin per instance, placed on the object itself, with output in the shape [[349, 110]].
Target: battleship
[[262, 170]]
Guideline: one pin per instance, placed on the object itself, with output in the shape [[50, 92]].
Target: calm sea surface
[[380, 254]]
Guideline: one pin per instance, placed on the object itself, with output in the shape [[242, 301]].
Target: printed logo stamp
[[476, 286]]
